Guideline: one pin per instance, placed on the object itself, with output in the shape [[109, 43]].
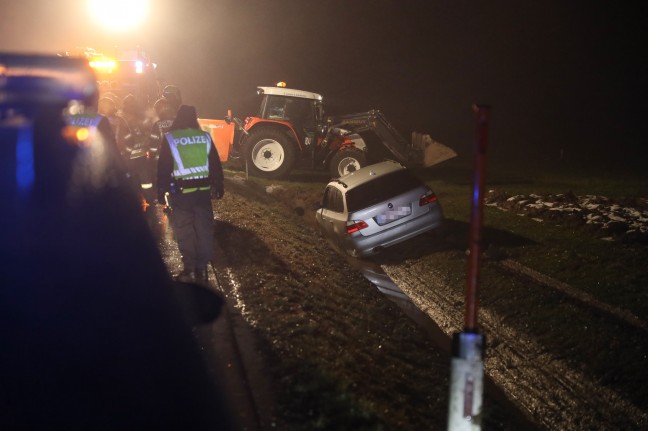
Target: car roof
[[39, 79], [362, 175]]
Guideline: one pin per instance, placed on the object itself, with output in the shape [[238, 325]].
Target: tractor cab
[[286, 104], [302, 109]]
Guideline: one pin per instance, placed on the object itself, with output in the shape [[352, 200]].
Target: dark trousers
[[192, 219]]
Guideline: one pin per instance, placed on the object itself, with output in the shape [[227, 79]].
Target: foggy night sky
[[559, 74]]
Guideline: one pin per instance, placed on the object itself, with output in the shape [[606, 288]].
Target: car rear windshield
[[381, 189]]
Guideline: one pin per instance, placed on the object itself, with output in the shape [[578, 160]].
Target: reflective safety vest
[[190, 151], [82, 127], [90, 121]]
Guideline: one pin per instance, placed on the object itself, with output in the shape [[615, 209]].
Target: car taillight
[[427, 199], [356, 226]]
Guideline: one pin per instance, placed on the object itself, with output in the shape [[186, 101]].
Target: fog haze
[[559, 75]]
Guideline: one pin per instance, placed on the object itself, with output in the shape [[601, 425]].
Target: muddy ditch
[[341, 355], [306, 302]]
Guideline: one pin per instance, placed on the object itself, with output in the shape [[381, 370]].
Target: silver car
[[375, 207]]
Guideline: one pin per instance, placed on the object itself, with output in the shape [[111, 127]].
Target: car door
[[332, 215]]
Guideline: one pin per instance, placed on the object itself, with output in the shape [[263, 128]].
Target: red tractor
[[291, 130]]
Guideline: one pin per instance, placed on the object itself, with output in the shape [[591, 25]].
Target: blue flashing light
[[25, 160]]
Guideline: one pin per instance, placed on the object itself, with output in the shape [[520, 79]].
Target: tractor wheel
[[347, 161], [270, 153]]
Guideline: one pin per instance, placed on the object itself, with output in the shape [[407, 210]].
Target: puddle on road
[[159, 224]]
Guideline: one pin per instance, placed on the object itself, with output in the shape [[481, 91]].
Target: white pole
[[466, 382]]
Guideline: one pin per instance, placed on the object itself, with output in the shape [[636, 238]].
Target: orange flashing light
[[82, 134], [281, 84], [103, 64], [75, 135]]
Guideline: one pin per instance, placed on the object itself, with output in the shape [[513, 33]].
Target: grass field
[[611, 271]]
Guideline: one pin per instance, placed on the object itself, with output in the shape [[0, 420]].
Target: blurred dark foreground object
[[93, 334]]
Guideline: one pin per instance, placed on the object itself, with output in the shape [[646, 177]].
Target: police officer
[[97, 125], [190, 174]]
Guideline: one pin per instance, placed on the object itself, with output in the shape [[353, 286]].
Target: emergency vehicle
[[123, 72]]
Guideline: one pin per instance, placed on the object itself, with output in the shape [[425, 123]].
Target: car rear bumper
[[368, 245]]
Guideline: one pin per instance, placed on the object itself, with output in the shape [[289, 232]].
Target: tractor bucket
[[433, 152]]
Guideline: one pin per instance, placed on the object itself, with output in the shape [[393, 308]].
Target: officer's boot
[[186, 275], [201, 275]]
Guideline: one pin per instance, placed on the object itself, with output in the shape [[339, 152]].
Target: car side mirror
[[199, 304]]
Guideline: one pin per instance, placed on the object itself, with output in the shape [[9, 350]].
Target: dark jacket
[[187, 119]]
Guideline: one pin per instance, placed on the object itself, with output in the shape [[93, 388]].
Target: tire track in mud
[[555, 395], [622, 315]]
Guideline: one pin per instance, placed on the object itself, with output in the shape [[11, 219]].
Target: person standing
[[190, 174], [109, 109], [97, 128], [133, 113], [165, 115], [172, 94]]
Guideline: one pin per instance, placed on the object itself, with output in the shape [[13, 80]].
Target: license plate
[[393, 214]]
